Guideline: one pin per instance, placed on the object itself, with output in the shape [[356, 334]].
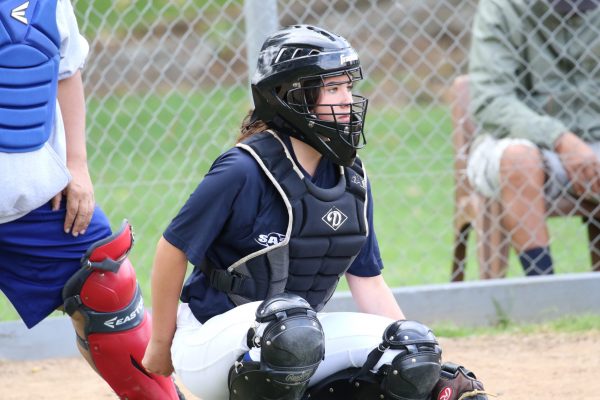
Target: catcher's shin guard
[[411, 375], [117, 327], [291, 346]]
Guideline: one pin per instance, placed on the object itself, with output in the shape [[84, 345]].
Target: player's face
[[335, 98]]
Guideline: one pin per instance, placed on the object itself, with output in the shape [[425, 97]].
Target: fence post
[[261, 20]]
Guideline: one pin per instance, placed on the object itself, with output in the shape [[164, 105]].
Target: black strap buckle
[[221, 280]]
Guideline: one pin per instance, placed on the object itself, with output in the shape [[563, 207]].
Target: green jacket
[[534, 73]]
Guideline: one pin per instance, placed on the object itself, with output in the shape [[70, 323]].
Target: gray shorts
[[483, 166]]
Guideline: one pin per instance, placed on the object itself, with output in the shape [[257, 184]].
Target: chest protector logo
[[334, 218], [271, 239], [18, 13], [359, 181]]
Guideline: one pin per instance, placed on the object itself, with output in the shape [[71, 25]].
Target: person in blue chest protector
[[57, 250], [270, 230]]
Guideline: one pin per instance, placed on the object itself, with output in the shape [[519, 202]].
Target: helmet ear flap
[[262, 104]]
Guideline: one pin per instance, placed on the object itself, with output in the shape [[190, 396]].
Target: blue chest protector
[[326, 230], [29, 60]]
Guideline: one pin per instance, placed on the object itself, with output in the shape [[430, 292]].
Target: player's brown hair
[[250, 128]]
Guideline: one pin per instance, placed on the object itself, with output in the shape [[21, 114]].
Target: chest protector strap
[[29, 60]]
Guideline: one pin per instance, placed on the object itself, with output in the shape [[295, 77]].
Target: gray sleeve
[[495, 66], [73, 46]]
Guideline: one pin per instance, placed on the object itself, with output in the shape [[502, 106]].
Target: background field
[[167, 86]]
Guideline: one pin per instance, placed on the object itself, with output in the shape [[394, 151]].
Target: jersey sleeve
[[74, 47], [208, 208], [368, 262]]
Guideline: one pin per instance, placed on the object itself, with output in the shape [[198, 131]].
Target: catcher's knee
[[411, 375], [415, 370], [292, 345], [105, 290], [105, 293]]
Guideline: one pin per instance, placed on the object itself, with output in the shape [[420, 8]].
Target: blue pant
[[37, 258]]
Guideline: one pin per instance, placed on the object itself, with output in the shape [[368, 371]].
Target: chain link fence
[[167, 87]]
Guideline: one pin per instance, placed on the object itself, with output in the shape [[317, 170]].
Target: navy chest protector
[[29, 59], [326, 230]]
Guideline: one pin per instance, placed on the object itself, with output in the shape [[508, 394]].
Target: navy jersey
[[235, 211]]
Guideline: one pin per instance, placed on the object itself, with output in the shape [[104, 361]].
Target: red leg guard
[[117, 329]]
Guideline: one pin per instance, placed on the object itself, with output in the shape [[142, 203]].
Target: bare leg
[[522, 195], [78, 324]]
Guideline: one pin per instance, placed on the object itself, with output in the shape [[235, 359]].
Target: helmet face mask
[[294, 67], [330, 122]]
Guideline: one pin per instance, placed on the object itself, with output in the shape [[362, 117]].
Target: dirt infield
[[516, 367]]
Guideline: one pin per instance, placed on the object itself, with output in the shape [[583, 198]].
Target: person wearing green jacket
[[535, 95]]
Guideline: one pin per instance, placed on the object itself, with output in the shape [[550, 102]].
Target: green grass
[[155, 153], [148, 151], [124, 17], [571, 324]]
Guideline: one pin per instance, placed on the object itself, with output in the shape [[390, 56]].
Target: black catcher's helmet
[[292, 66]]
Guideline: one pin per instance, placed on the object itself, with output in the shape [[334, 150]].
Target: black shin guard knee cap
[[292, 346], [415, 370]]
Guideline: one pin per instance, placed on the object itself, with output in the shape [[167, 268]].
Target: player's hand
[[157, 359], [80, 200], [580, 162]]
